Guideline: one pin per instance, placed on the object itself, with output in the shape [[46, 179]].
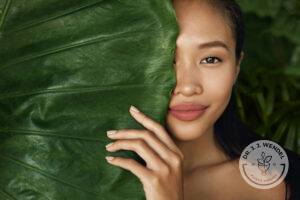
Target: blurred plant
[[268, 90]]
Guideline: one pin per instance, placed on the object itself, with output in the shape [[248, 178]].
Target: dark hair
[[230, 133], [233, 13]]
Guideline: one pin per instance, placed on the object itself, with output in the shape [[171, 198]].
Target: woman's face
[[205, 67]]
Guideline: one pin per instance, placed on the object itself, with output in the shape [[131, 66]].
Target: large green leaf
[[69, 71]]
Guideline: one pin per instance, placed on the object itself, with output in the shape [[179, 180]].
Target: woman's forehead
[[196, 13], [198, 21]]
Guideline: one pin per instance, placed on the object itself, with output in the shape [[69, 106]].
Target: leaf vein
[[26, 165], [5, 11], [75, 44], [7, 195], [75, 90], [49, 18], [42, 133]]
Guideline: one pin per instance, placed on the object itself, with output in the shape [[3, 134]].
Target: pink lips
[[187, 112]]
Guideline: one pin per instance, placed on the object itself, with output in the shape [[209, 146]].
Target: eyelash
[[213, 57]]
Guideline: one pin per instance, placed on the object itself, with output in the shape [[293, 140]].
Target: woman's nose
[[188, 82]]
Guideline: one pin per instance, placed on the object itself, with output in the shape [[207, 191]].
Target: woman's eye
[[210, 60]]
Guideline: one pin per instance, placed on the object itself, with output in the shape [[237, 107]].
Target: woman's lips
[[187, 112]]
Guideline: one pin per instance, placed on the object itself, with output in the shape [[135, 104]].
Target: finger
[[156, 128], [157, 145], [131, 165], [152, 160]]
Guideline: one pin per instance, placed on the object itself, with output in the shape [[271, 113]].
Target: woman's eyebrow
[[213, 44]]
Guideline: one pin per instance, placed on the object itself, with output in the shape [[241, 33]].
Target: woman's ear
[[238, 66]]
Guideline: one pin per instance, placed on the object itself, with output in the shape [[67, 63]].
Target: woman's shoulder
[[293, 175], [246, 191], [224, 181]]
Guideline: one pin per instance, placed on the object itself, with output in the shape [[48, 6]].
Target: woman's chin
[[182, 131], [186, 137]]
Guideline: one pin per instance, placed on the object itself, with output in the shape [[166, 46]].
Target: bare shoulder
[[224, 181], [236, 183]]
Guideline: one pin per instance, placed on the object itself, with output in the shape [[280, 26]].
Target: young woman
[[196, 156]]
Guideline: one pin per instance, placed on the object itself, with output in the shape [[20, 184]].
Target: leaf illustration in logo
[[263, 163], [260, 161], [268, 159]]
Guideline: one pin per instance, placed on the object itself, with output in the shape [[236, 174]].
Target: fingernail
[[111, 132], [108, 145], [134, 109], [109, 158]]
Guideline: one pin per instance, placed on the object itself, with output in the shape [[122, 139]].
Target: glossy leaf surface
[[69, 71]]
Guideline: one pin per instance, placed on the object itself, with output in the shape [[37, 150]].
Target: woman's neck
[[201, 152]]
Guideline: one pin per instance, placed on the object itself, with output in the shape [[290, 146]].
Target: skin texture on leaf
[[69, 71]]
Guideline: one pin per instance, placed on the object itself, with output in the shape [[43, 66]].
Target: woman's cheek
[[218, 83], [218, 87]]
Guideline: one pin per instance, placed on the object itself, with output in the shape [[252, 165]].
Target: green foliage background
[[268, 89]]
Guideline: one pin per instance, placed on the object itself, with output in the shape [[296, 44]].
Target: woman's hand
[[162, 176]]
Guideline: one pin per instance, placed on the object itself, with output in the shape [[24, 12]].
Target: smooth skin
[[184, 161]]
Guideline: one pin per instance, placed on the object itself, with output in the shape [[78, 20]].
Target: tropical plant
[[268, 90], [69, 71]]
